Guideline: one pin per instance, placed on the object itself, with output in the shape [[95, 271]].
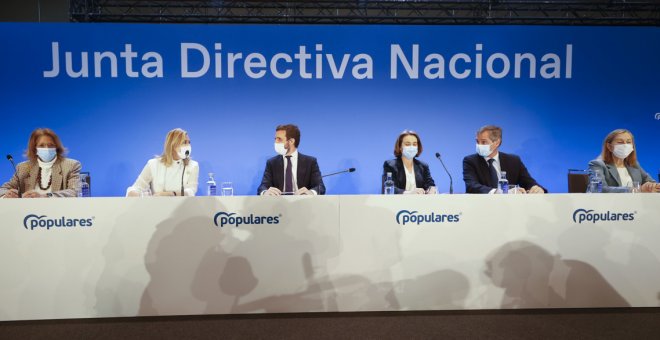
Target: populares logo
[[222, 219], [584, 215], [404, 217], [33, 221]]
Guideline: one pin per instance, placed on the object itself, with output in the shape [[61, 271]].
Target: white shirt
[[158, 178], [624, 176], [46, 175], [411, 183], [498, 169]]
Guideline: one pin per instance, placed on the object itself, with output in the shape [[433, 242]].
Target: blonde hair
[[174, 140], [607, 155]]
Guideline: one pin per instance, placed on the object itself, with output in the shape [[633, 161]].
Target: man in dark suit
[[290, 172], [481, 171]]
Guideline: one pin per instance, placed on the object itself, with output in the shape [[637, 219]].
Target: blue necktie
[[493, 173], [288, 177]]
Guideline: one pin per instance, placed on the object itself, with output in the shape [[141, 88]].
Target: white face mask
[[622, 150], [483, 150], [182, 151], [279, 148], [46, 154], [409, 152]]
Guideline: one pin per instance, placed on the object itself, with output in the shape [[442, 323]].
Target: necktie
[[288, 177], [493, 173]]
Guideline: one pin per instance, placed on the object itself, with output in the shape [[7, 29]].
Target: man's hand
[[303, 191], [536, 190], [518, 190], [273, 191]]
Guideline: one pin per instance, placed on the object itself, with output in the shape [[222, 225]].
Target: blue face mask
[[409, 152], [46, 154]]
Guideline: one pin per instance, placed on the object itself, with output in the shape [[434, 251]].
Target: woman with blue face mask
[[46, 173], [410, 175], [172, 173], [618, 167]]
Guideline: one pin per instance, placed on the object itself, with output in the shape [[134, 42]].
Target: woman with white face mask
[[617, 165], [410, 175], [171, 174], [46, 173]]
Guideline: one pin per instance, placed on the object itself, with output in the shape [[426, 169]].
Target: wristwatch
[[50, 194]]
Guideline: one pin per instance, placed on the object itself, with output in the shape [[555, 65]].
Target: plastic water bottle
[[389, 185], [595, 183], [83, 190], [503, 184], [210, 185]]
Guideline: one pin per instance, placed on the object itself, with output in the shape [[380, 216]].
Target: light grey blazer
[[65, 177], [610, 175]]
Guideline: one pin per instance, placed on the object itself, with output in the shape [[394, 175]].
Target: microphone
[[339, 172], [451, 181], [185, 163], [11, 160]]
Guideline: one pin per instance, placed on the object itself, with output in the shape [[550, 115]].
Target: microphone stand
[[339, 172], [18, 178], [451, 181]]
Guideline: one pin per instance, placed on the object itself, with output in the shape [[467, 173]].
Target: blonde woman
[[165, 175], [46, 173], [618, 167]]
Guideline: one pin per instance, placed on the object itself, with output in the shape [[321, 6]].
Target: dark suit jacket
[[477, 176], [610, 175], [308, 174], [423, 177]]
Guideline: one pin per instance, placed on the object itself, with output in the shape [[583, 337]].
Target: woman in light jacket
[[617, 164], [171, 174]]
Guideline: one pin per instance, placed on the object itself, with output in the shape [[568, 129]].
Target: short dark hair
[[398, 150], [291, 131], [494, 132]]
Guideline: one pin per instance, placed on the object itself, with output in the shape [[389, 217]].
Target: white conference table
[[223, 255]]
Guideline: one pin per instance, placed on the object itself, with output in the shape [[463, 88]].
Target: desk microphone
[[339, 172], [11, 160], [451, 181], [185, 163]]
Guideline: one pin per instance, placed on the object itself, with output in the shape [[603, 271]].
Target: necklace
[[39, 180]]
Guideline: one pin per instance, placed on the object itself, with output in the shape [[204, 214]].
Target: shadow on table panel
[[173, 259], [533, 278]]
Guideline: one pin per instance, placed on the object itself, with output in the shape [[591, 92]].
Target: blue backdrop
[[113, 125]]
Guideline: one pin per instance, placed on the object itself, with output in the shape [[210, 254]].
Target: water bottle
[[595, 183], [503, 184], [83, 190], [389, 185], [210, 185]]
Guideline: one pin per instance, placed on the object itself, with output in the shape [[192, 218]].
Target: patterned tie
[[288, 177], [493, 173]]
